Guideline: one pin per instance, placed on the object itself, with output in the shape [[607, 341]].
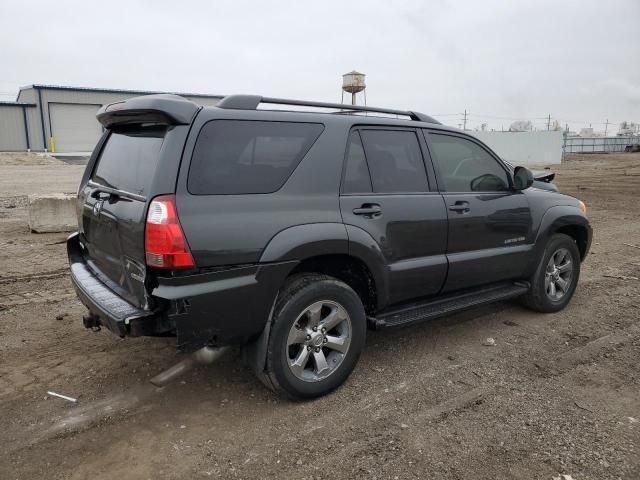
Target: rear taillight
[[165, 243]]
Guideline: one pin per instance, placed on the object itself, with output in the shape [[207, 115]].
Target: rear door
[[490, 226], [114, 203], [386, 192]]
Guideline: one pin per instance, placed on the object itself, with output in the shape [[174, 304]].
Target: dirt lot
[[557, 394]]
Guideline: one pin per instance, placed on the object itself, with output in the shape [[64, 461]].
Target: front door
[[490, 226], [386, 193]]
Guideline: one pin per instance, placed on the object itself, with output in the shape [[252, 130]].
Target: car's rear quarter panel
[[235, 229]]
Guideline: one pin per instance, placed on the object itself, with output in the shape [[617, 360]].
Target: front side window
[[464, 166], [245, 157], [395, 161]]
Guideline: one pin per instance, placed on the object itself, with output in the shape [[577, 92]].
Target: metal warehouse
[[63, 119]]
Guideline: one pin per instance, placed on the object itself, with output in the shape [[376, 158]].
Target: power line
[[539, 122], [481, 115]]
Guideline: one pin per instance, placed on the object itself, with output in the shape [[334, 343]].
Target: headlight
[[583, 207]]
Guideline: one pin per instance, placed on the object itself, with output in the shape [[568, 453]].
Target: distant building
[[65, 117], [629, 128]]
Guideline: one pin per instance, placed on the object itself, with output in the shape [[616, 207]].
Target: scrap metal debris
[[64, 397]]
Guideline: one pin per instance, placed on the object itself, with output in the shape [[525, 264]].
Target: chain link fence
[[598, 144]]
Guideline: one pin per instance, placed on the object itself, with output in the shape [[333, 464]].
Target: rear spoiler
[[161, 108]]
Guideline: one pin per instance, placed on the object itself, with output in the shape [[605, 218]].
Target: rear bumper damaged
[[214, 308], [107, 308]]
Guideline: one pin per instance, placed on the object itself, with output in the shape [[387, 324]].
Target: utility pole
[[606, 126], [465, 120], [549, 122]]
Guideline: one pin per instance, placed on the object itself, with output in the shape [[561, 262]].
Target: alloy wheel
[[559, 274], [318, 341]]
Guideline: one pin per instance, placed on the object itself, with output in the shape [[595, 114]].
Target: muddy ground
[[557, 394]]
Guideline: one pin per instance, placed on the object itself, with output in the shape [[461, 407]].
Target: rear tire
[[556, 277], [318, 333]]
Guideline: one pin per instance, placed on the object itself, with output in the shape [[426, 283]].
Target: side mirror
[[522, 178]]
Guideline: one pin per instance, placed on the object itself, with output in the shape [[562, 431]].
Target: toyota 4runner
[[290, 232]]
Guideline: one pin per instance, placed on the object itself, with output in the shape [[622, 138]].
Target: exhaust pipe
[[204, 356]]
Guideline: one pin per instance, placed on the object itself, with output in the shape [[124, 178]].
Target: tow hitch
[[91, 321]]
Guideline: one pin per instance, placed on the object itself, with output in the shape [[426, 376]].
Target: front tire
[[318, 333], [556, 277]]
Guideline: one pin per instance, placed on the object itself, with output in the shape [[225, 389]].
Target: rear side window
[[395, 161], [356, 172], [243, 157], [129, 159]]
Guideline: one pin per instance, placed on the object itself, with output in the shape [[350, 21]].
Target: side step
[[445, 305]]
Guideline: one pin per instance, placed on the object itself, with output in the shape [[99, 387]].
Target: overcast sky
[[576, 60]]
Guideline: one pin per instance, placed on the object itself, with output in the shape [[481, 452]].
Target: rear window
[[395, 160], [129, 158], [243, 157]]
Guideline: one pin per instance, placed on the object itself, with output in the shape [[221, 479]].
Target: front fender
[[554, 219]]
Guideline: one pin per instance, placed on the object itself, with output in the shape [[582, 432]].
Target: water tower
[[353, 83]]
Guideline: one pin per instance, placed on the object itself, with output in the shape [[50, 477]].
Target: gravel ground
[[557, 394], [24, 158]]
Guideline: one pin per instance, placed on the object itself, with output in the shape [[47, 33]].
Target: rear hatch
[[136, 160], [114, 204]]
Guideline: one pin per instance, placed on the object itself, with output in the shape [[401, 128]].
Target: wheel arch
[[324, 248], [580, 235], [565, 219]]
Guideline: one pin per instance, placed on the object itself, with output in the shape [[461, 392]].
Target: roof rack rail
[[251, 102]]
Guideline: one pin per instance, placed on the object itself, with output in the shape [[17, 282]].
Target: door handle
[[101, 195], [368, 210], [460, 207]]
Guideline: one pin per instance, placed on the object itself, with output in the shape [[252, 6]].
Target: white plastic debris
[[64, 397], [489, 342]]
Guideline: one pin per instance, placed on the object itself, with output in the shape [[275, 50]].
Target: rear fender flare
[[305, 241], [363, 247], [292, 244]]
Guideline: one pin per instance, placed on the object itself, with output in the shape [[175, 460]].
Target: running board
[[446, 305]]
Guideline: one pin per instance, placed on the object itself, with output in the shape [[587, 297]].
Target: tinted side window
[[464, 166], [129, 158], [242, 157], [395, 161], [356, 172]]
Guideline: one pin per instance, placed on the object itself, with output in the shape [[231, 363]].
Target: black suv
[[290, 232]]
